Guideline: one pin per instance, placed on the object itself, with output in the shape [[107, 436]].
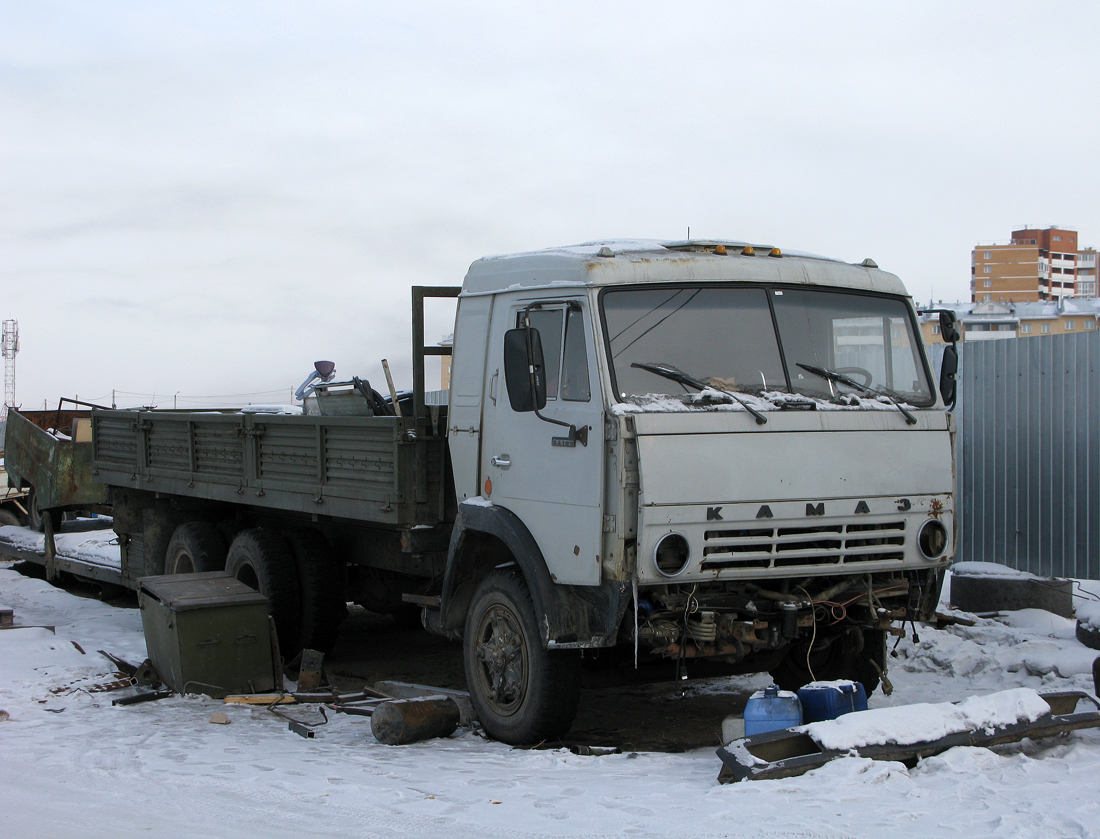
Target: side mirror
[[949, 327], [525, 376], [948, 368]]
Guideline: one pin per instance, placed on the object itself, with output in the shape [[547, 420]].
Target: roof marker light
[[775, 252], [605, 251], [869, 263], [747, 251], [720, 250]]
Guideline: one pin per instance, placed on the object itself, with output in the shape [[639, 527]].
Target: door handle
[[502, 461]]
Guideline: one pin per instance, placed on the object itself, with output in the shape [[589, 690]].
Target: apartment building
[[1037, 265], [987, 321]]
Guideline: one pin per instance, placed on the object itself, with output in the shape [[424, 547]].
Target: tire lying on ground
[[195, 546], [8, 518], [261, 559], [321, 590], [1088, 635], [522, 692]]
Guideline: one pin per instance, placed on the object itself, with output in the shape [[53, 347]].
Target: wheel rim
[[502, 659], [183, 563], [247, 575], [34, 512]]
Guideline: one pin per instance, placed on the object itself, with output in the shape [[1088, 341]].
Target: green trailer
[[48, 455]]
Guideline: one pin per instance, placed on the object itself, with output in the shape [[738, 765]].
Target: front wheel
[[522, 692]]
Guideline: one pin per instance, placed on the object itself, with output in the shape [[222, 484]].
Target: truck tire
[[320, 587], [8, 518], [848, 656], [36, 516], [195, 546], [521, 692], [261, 559]]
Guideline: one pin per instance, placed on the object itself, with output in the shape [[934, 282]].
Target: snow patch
[[1088, 614], [478, 501], [989, 569], [919, 723]]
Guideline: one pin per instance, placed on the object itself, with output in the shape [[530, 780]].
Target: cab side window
[[574, 369], [565, 352], [548, 322]]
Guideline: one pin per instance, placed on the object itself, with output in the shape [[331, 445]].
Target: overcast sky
[[201, 199]]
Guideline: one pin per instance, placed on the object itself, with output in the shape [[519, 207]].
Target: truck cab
[[713, 450]]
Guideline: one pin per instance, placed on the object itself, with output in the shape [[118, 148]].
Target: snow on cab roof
[[620, 261]]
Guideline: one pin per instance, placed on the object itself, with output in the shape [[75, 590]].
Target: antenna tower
[[10, 348]]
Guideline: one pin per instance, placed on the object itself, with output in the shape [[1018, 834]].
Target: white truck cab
[[699, 449]]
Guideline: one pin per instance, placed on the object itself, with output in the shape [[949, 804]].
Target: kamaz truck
[[683, 450]]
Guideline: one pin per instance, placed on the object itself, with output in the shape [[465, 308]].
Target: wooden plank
[[260, 699]]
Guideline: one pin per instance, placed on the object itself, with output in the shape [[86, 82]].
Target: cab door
[[535, 468]]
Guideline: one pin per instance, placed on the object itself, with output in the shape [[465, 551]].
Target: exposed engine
[[828, 622]]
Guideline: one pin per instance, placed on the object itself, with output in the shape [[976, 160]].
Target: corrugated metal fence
[[1029, 453]]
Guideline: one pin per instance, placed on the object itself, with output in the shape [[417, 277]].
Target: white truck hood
[[714, 457]]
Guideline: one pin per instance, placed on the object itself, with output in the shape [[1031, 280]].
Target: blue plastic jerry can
[[772, 709], [829, 700]]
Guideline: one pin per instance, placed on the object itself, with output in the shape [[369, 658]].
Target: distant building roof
[[1007, 312]]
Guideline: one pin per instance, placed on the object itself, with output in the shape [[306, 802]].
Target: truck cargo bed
[[368, 468]]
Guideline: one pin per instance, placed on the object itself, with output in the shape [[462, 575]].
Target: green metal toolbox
[[207, 633]]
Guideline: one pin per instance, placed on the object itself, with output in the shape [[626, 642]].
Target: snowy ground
[[74, 766]]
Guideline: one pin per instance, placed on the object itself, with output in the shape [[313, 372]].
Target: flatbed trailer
[[26, 545]]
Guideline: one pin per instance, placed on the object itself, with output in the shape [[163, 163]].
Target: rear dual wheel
[[261, 559], [194, 547], [320, 587], [295, 570]]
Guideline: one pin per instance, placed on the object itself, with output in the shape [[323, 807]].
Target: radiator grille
[[813, 545]]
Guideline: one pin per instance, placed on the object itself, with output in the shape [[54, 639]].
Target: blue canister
[[829, 700], [772, 709]]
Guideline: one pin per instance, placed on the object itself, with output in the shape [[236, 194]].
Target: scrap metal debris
[[148, 696], [143, 673], [399, 722], [107, 687], [407, 690], [309, 674]]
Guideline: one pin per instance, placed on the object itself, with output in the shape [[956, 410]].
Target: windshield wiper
[[670, 372], [833, 376]]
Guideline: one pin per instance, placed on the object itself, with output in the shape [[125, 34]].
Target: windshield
[[754, 339]]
